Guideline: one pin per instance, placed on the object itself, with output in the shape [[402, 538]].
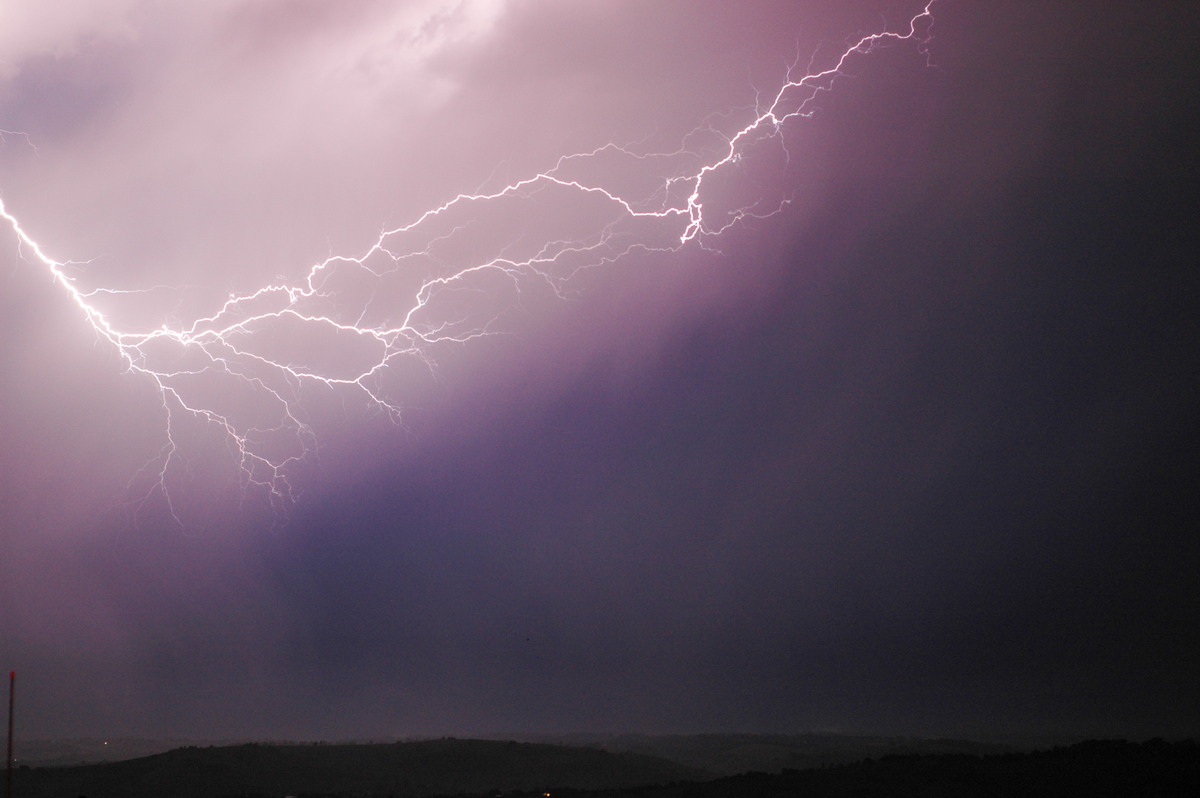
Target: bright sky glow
[[241, 371]]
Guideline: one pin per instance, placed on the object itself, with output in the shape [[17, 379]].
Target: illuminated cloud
[[59, 30], [913, 454], [244, 369]]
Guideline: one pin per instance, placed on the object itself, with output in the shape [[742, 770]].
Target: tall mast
[[12, 692]]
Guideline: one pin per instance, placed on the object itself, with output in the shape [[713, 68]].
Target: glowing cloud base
[[352, 324]]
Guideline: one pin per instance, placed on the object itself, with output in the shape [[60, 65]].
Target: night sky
[[916, 454]]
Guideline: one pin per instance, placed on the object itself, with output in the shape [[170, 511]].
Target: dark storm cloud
[[913, 456]]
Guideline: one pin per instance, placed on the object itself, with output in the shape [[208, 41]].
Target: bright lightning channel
[[431, 281]]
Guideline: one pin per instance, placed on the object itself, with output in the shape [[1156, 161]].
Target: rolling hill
[[433, 767]]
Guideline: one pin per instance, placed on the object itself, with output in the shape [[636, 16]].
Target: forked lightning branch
[[352, 324]]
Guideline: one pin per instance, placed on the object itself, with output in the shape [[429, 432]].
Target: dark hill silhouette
[[730, 754], [433, 767], [478, 768], [724, 754], [1092, 769]]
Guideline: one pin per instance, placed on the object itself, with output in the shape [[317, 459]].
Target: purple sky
[[915, 454]]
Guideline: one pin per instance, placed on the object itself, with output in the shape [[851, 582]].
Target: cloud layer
[[910, 456]]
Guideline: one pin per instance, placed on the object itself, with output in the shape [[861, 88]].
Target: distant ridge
[[729, 754], [404, 770], [1091, 769], [491, 768]]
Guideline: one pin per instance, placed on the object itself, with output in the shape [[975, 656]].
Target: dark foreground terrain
[[1093, 769], [731, 754], [523, 770], [432, 767]]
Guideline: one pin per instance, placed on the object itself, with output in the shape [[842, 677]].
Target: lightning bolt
[[453, 274]]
